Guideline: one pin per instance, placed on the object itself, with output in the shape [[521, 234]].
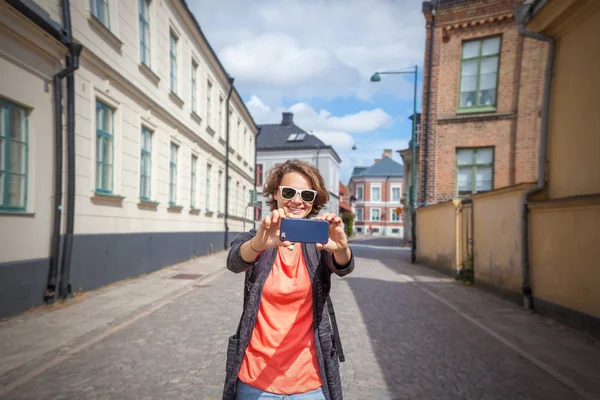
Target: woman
[[284, 344]]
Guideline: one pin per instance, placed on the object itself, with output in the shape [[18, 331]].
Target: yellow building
[[157, 151], [538, 243], [564, 217]]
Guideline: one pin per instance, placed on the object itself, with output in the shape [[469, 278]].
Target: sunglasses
[[288, 193]]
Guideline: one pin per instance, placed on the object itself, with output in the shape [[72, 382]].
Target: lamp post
[[376, 77]]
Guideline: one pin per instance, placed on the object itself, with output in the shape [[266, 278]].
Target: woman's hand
[[337, 236], [267, 234]]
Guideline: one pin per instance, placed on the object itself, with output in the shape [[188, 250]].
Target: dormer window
[[296, 137]]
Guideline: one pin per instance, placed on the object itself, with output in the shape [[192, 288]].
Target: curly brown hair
[[311, 173]]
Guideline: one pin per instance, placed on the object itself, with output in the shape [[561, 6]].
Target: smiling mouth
[[296, 211]]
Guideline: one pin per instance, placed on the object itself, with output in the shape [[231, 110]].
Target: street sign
[[399, 210]]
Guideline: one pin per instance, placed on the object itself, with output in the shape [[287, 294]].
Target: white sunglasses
[[288, 193]]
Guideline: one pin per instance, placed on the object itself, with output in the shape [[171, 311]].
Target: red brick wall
[[513, 130], [385, 209]]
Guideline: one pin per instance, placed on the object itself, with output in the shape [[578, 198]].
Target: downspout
[[425, 135], [63, 34], [541, 182], [225, 239], [72, 61], [255, 180], [52, 281]]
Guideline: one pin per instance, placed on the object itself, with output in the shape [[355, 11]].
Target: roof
[[385, 167], [358, 170], [278, 137]]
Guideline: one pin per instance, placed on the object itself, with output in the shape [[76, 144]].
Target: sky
[[315, 59]]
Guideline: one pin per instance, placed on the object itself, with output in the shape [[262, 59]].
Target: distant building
[[378, 192], [406, 155], [278, 143]]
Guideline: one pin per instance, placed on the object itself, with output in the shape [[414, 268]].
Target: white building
[[278, 143], [151, 103]]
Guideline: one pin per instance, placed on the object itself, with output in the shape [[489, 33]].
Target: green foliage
[[348, 219]]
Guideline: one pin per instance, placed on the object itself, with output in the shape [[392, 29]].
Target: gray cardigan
[[316, 261]]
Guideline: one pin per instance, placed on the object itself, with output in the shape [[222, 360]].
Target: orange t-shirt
[[281, 356]]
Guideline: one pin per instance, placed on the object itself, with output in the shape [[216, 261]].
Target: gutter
[[39, 17], [541, 182], [65, 289], [425, 134], [255, 180], [226, 212]]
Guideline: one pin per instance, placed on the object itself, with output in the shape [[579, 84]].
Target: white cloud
[[320, 48], [309, 119]]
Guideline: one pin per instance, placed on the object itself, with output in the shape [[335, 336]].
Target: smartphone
[[298, 230]]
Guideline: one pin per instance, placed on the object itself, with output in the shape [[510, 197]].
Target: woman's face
[[295, 207]]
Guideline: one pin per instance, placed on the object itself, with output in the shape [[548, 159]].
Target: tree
[[348, 219]]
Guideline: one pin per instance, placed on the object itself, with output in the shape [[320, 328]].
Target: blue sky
[[315, 58]]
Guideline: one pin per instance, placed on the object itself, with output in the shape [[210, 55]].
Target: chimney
[[377, 160], [287, 118], [387, 153]]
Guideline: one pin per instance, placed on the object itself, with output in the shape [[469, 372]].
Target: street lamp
[[376, 77]]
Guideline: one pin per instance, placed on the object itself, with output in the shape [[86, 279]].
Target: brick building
[[378, 192], [482, 90]]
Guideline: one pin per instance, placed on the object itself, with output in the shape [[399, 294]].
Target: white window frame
[[360, 186], [399, 187], [362, 214], [371, 214], [373, 186], [392, 213]]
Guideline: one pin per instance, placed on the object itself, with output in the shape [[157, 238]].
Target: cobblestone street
[[407, 333]]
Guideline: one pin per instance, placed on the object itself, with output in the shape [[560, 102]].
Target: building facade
[[482, 92], [152, 105], [278, 143], [378, 193], [407, 156]]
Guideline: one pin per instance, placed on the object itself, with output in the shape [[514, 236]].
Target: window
[[359, 230], [244, 202], [207, 199], [173, 175], [14, 146], [221, 116], [99, 9], [193, 182], [375, 193], [237, 137], [258, 211], [194, 89], [359, 192], [236, 210], [208, 105], [396, 194], [104, 148], [417, 132], [475, 170], [244, 144], [395, 216], [375, 214], [146, 164], [395, 230], [219, 195], [296, 137], [479, 73], [259, 174], [359, 214], [145, 32], [173, 61]]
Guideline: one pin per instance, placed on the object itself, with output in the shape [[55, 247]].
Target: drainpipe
[[63, 34], [225, 239], [73, 61], [425, 134], [255, 180], [51, 285], [541, 182]]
